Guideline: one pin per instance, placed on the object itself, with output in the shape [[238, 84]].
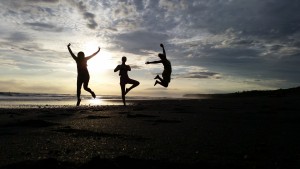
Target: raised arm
[[94, 54], [163, 48], [154, 62], [72, 54]]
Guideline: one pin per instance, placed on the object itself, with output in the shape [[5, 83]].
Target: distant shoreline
[[38, 99], [33, 100], [253, 93]]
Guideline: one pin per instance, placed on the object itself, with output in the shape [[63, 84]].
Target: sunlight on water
[[37, 103], [15, 100], [95, 101], [11, 103]]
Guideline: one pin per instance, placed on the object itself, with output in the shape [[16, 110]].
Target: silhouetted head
[[161, 56], [80, 55], [124, 59]]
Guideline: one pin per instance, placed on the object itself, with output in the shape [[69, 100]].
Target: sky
[[214, 46]]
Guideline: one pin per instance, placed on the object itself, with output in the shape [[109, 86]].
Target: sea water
[[15, 100]]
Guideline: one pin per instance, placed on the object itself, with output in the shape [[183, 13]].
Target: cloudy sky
[[215, 46]]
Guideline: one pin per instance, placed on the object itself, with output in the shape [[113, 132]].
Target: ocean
[[30, 100]]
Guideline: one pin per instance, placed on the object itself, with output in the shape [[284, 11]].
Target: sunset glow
[[101, 62], [214, 46]]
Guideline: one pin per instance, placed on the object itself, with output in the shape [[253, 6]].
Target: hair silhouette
[[166, 74], [124, 78], [83, 75]]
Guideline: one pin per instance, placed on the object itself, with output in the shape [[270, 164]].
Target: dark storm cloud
[[241, 38], [92, 24], [199, 75], [44, 27], [247, 23], [27, 50], [234, 63], [18, 37], [48, 1], [212, 55], [230, 55], [273, 18], [90, 17], [139, 4], [140, 42]]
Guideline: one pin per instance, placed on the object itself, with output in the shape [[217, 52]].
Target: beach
[[233, 132]]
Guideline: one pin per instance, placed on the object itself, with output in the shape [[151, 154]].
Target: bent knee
[[137, 83]]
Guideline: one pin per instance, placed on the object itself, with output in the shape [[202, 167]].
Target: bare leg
[[79, 84], [158, 77], [163, 83], [85, 86], [123, 93], [134, 84]]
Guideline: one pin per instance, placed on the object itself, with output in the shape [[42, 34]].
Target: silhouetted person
[[83, 75], [166, 74], [124, 78]]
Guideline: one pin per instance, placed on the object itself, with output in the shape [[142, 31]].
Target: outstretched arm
[[154, 62], [163, 48], [72, 54], [94, 54], [117, 68]]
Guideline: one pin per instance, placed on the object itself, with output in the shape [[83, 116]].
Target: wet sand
[[254, 132]]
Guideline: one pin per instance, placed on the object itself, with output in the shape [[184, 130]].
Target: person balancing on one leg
[[83, 75], [166, 74], [124, 78]]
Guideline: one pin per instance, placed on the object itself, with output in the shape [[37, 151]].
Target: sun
[[102, 61]]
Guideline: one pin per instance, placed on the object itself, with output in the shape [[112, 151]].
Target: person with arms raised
[[83, 75], [166, 74]]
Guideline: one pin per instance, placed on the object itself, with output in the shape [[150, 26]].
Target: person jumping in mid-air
[[124, 78], [83, 75], [166, 75]]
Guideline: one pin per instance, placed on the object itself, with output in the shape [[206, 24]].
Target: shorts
[[127, 81], [83, 76], [166, 76]]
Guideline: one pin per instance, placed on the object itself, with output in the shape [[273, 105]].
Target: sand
[[254, 132]]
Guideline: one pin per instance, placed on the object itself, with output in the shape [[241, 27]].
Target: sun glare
[[96, 101], [102, 61]]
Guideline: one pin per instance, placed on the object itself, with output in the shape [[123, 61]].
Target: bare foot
[[127, 90], [78, 102], [155, 82], [93, 94]]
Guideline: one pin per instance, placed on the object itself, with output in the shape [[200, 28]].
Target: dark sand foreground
[[262, 132]]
